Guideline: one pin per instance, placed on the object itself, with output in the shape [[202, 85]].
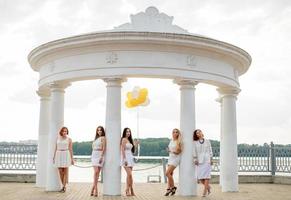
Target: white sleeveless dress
[[63, 157], [128, 156], [174, 159], [97, 153]]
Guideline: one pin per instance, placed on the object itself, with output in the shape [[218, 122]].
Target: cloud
[[261, 27], [8, 69]]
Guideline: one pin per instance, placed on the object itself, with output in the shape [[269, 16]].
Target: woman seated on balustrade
[[63, 156]]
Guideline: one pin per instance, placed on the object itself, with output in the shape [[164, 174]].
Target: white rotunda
[[149, 46]]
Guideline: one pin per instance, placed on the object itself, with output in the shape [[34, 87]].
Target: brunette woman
[[63, 156]]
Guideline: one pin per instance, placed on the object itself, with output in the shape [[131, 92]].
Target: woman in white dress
[[202, 154], [127, 148], [97, 158], [174, 149], [63, 156]]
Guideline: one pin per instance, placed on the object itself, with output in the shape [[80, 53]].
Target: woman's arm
[[210, 152], [103, 144], [55, 153], [178, 149], [71, 150], [123, 143], [195, 154]]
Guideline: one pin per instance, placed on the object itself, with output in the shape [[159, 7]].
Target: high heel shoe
[[62, 190], [173, 190], [92, 191], [132, 192], [168, 192], [127, 192], [209, 189], [204, 193]]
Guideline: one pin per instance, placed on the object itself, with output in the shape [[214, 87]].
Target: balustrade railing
[[267, 158]]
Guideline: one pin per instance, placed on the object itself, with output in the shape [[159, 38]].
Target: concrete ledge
[[257, 179], [286, 180], [18, 178]]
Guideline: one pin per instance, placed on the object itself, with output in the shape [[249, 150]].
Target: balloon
[[137, 97], [147, 102], [135, 92]]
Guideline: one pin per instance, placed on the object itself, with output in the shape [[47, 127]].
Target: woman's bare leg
[[169, 174], [128, 179]]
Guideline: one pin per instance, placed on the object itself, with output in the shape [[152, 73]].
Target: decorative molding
[[114, 81], [43, 94], [111, 58], [151, 21], [228, 91], [191, 61], [59, 86], [52, 66], [186, 83]]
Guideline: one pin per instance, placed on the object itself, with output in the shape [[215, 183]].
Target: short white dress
[[129, 158], [62, 157], [174, 159], [202, 152], [97, 153]]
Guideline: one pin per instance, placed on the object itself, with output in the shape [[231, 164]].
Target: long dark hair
[[102, 134], [195, 137], [129, 138]]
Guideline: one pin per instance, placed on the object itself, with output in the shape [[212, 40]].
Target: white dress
[[97, 153], [63, 156], [202, 153], [174, 159], [128, 156]]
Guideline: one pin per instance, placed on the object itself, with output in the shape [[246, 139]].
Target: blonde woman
[[174, 149], [202, 154], [97, 158], [63, 156]]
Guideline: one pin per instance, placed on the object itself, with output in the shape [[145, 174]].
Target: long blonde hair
[[178, 140]]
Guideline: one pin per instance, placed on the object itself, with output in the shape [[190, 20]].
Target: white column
[[43, 132], [221, 163], [187, 182], [112, 173], [56, 122], [228, 154]]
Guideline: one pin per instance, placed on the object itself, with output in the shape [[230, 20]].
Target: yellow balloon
[[127, 103], [129, 95], [139, 100]]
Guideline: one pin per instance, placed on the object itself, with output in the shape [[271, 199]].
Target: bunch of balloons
[[137, 97]]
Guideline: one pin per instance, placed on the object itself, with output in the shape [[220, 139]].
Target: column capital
[[58, 85], [43, 94], [114, 81], [186, 83], [227, 91], [218, 99]]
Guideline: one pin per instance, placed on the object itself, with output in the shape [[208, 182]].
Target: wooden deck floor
[[144, 191]]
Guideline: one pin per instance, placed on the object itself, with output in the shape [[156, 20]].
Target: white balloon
[[135, 92], [147, 102]]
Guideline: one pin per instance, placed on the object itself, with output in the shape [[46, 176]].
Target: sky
[[261, 27]]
